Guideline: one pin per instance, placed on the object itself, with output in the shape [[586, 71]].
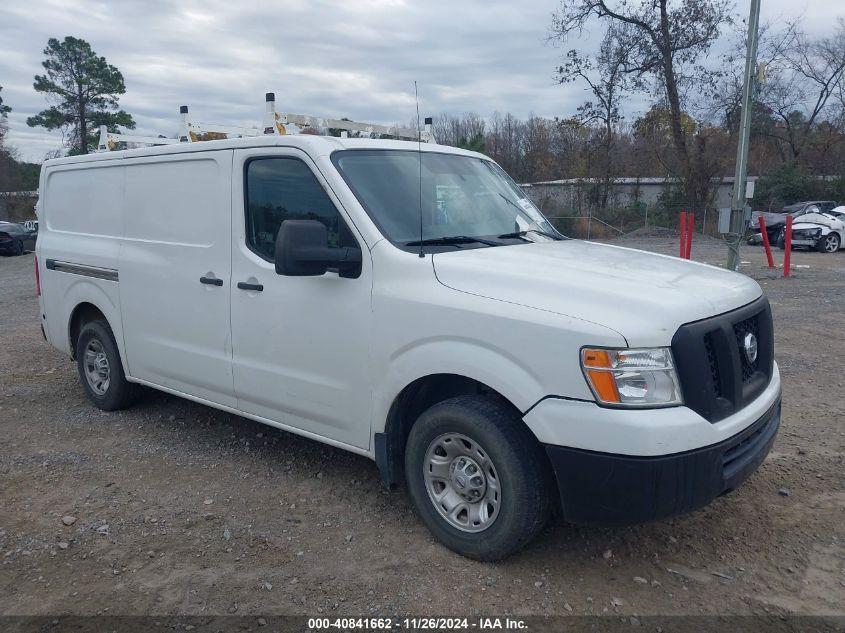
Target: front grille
[[715, 375], [749, 326], [714, 366]]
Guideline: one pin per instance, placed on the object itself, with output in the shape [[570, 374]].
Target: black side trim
[[109, 274]]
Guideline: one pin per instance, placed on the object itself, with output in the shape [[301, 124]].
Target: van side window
[[279, 189]]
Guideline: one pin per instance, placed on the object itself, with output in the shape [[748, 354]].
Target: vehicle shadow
[[262, 448]]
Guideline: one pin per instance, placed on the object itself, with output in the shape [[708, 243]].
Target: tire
[[829, 243], [100, 370], [780, 243], [19, 248], [515, 471]]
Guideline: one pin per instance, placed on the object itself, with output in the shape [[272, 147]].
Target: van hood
[[643, 296]]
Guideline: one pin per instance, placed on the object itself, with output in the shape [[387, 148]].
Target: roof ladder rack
[[274, 123]]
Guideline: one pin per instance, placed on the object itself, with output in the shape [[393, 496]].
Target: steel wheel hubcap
[[462, 482], [97, 371]]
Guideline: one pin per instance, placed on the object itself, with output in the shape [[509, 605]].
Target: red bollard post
[[683, 231], [690, 231], [787, 245], [762, 222]]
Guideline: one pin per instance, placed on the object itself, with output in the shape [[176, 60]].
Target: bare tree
[[666, 39], [505, 136], [607, 80], [804, 80], [4, 112], [538, 149], [458, 130]]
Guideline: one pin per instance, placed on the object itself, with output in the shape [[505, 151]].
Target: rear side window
[[279, 189]]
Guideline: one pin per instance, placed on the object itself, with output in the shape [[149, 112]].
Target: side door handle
[[211, 281], [243, 285]]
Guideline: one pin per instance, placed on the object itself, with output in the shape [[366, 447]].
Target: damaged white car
[[823, 232]]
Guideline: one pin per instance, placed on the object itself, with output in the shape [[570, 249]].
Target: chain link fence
[[609, 223]]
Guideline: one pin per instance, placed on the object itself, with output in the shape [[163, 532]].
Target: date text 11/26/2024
[[419, 624]]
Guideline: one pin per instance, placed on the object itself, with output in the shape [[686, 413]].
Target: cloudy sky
[[355, 58]]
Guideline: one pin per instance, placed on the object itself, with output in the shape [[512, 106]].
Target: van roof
[[321, 145]]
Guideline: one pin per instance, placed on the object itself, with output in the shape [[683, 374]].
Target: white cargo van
[[411, 304]]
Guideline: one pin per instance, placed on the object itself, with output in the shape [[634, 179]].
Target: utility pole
[[737, 223]]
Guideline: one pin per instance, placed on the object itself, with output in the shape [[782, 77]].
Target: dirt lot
[[183, 509]]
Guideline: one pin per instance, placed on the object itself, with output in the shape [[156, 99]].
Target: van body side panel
[[81, 227], [177, 332]]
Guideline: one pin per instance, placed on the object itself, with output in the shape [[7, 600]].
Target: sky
[[353, 58]]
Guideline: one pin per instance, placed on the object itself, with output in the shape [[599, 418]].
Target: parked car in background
[[776, 220], [838, 213], [16, 239], [823, 232], [800, 208]]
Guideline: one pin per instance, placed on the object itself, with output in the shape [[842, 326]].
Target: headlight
[[632, 377]]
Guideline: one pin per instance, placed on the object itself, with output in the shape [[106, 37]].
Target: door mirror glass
[[302, 250]]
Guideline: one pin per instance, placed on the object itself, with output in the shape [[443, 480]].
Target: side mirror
[[302, 250]]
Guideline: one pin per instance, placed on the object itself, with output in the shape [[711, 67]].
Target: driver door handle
[[243, 285], [211, 281]]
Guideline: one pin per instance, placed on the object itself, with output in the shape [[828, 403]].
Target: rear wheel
[[828, 243], [478, 478], [100, 370]]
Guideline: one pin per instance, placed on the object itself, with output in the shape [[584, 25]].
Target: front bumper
[[805, 242], [608, 489]]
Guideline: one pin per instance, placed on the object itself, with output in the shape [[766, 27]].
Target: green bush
[[785, 185]]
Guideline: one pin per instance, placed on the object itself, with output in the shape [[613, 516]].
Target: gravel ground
[[175, 508]]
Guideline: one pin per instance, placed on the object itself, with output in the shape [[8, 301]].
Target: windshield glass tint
[[460, 195]]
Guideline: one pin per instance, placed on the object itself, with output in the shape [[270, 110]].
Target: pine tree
[[85, 89]]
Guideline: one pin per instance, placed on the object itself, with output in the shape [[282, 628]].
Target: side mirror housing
[[302, 250]]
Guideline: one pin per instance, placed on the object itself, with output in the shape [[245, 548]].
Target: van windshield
[[466, 201]]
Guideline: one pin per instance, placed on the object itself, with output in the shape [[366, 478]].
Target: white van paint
[[328, 356]]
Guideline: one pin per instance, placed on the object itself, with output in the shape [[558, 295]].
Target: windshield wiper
[[452, 240], [515, 234]]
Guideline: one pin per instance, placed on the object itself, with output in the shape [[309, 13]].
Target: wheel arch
[[67, 298], [820, 244], [417, 396], [84, 312]]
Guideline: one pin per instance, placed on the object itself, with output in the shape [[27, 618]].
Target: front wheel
[[828, 243], [19, 248], [477, 477]]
